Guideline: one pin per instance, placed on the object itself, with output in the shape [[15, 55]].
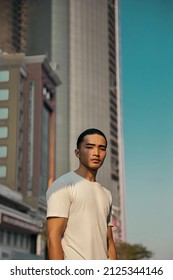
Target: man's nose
[[96, 152]]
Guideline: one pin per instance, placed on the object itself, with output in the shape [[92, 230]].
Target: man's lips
[[95, 160]]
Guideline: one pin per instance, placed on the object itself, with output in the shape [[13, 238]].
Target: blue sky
[[146, 31]]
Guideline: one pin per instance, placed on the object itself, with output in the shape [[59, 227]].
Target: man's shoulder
[[65, 177], [61, 182], [108, 193]]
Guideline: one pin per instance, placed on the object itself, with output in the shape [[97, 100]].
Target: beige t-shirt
[[87, 205]]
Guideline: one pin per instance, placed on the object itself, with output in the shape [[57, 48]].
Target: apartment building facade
[[27, 150]]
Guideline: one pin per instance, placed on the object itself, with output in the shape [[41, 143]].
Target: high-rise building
[[13, 25], [85, 43], [82, 37], [27, 151]]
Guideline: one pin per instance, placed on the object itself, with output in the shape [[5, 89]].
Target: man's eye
[[88, 147]]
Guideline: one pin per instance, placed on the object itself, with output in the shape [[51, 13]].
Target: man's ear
[[77, 153]]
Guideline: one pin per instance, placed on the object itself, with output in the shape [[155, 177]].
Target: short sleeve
[[58, 200]]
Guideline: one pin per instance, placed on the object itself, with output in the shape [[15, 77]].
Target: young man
[[79, 208]]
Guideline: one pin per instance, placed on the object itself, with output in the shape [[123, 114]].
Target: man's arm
[[112, 254], [55, 230]]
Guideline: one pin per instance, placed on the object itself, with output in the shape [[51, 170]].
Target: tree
[[128, 251]]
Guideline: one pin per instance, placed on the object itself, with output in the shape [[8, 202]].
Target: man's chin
[[95, 166]]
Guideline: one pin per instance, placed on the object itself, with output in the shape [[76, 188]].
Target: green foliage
[[128, 251]]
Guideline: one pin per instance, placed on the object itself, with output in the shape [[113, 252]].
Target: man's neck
[[90, 175]]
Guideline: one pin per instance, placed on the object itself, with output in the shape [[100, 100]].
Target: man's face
[[92, 151]]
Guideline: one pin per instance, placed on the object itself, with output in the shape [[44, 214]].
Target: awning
[[17, 221]]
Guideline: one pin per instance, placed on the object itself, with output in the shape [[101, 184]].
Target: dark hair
[[89, 131]]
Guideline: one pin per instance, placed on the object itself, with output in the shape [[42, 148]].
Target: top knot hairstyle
[[89, 131]]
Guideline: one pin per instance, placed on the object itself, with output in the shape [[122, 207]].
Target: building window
[[114, 164], [1, 236], [114, 177], [21, 241], [4, 94], [114, 152], [3, 113], [45, 150], [3, 132], [30, 152], [3, 151], [8, 238], [19, 178], [4, 76], [28, 243], [3, 171], [15, 239]]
